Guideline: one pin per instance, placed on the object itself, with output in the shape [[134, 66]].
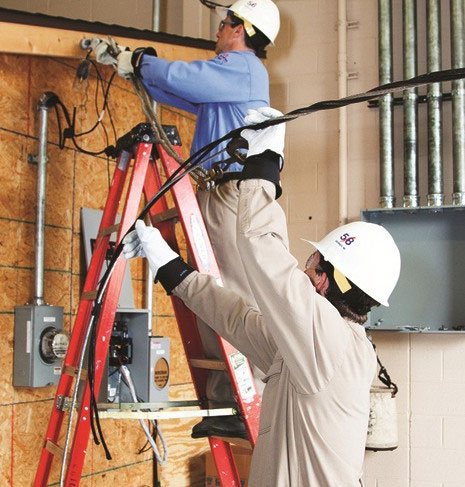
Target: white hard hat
[[263, 14], [366, 254]]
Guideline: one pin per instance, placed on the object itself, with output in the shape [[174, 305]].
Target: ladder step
[[208, 364], [72, 372], [108, 230], [89, 295], [54, 449], [163, 216]]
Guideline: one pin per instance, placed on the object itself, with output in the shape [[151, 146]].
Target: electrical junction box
[[39, 345], [429, 295], [90, 223], [147, 358]]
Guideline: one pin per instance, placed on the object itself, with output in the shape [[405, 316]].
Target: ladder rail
[[107, 316], [82, 319]]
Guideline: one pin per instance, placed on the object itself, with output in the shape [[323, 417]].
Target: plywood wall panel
[[24, 286], [8, 278], [74, 180], [60, 180], [10, 174], [9, 235], [91, 185], [5, 445], [56, 291], [167, 326], [14, 92], [162, 302], [186, 467], [29, 423], [6, 371], [27, 178]]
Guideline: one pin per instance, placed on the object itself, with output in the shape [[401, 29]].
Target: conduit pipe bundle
[[435, 197]]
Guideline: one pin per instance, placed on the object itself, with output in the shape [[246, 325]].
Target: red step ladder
[[140, 145]]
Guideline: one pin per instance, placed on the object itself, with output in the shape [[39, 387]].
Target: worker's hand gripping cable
[[265, 155]]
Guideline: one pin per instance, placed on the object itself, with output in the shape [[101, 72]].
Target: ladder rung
[[109, 230], [164, 215], [208, 364], [89, 295], [54, 449], [72, 371]]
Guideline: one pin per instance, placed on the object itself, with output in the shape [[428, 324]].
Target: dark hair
[[353, 304], [258, 41]]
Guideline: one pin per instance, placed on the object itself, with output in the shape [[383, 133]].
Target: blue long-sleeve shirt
[[219, 91]]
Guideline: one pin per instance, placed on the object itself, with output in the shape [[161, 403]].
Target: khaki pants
[[219, 210]]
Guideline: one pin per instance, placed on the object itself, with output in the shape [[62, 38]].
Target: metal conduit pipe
[[386, 104], [342, 91], [410, 99], [458, 101], [45, 101], [156, 16], [434, 97]]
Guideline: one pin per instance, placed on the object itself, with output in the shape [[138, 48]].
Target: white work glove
[[270, 138], [121, 63], [100, 48], [147, 242], [124, 65]]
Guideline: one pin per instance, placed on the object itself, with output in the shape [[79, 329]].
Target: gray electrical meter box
[[146, 357], [429, 294], [38, 348]]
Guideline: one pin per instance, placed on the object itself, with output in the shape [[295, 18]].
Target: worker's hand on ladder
[[270, 138], [147, 242]]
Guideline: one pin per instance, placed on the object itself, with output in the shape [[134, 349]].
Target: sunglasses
[[226, 22]]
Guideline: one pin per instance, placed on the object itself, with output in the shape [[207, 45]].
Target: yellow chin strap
[[341, 281], [249, 28]]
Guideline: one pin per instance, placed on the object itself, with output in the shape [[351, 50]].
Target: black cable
[[212, 5], [196, 159]]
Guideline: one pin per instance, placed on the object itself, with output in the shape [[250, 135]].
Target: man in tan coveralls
[[306, 334]]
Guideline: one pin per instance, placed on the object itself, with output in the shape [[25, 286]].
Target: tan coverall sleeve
[[310, 334], [229, 315]]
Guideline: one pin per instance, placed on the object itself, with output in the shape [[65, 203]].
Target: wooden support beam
[[46, 41]]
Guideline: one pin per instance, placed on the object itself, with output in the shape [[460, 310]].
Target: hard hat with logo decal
[[366, 254], [263, 14]]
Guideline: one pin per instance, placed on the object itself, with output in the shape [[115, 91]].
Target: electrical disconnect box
[[146, 357], [429, 295], [39, 345]]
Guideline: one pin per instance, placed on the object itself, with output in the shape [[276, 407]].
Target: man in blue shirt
[[219, 92]]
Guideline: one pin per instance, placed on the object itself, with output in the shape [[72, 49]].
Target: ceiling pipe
[[458, 101], [342, 93], [386, 106], [434, 97], [410, 98]]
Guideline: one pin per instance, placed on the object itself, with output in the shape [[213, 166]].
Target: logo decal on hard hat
[[345, 239]]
